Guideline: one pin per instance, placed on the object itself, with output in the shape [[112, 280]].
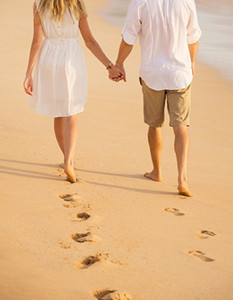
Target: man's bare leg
[[181, 150], [70, 141], [156, 144]]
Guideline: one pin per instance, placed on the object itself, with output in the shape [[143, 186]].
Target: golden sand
[[143, 250]]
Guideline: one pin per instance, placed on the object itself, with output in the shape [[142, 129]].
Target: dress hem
[[59, 115]]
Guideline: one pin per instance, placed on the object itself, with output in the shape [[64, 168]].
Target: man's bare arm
[[193, 50], [124, 51]]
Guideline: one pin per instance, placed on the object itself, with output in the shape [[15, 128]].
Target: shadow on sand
[[42, 175]]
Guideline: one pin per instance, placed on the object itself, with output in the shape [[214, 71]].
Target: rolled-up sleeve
[[193, 28], [133, 23]]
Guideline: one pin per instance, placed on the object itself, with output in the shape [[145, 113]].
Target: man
[[169, 33]]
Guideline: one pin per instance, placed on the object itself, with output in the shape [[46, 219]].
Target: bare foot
[[153, 176], [69, 170], [184, 190]]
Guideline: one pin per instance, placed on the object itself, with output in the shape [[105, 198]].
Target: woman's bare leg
[[70, 142], [59, 132]]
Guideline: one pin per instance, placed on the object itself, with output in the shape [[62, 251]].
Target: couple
[[169, 33]]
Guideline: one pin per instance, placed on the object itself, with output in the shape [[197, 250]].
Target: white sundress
[[60, 77]]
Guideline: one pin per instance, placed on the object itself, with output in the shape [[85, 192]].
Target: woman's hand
[[122, 70], [28, 85]]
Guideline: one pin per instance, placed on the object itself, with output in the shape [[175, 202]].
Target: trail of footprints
[[72, 201], [203, 234]]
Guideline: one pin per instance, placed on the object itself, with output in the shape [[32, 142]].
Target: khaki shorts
[[178, 104]]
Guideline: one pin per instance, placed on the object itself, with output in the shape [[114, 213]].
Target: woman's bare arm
[[95, 48], [35, 48]]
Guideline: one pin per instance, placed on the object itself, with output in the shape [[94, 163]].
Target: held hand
[[122, 70], [116, 74], [28, 85]]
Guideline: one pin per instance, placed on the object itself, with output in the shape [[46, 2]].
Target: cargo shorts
[[178, 105]]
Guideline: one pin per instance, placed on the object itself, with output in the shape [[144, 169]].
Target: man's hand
[[124, 51], [116, 74]]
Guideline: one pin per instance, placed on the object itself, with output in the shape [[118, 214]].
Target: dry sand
[[140, 244]]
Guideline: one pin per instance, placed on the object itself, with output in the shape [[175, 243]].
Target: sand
[[132, 235]]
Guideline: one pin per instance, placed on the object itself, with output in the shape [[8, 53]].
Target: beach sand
[[142, 237]]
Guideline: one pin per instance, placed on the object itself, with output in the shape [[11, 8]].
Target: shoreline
[[128, 218]]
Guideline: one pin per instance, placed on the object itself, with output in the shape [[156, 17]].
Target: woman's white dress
[[60, 77]]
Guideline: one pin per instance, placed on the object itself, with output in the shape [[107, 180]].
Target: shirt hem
[[178, 87]]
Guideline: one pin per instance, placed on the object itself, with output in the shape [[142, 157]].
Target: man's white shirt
[[164, 28]]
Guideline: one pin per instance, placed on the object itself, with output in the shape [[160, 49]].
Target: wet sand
[[115, 230]]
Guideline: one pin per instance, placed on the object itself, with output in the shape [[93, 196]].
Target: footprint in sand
[[82, 237], [71, 199], [205, 234], [91, 260], [61, 172], [87, 207], [174, 211], [83, 216], [200, 255], [111, 295], [71, 205], [65, 245]]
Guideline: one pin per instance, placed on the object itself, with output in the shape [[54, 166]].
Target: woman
[[59, 85]]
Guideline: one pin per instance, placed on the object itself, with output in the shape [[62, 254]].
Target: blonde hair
[[57, 9]]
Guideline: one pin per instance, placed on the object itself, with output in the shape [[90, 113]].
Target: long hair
[[57, 9]]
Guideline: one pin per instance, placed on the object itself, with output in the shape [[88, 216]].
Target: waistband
[[58, 42], [60, 39]]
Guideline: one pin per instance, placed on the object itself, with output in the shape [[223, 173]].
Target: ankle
[[157, 172], [182, 181], [68, 162]]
